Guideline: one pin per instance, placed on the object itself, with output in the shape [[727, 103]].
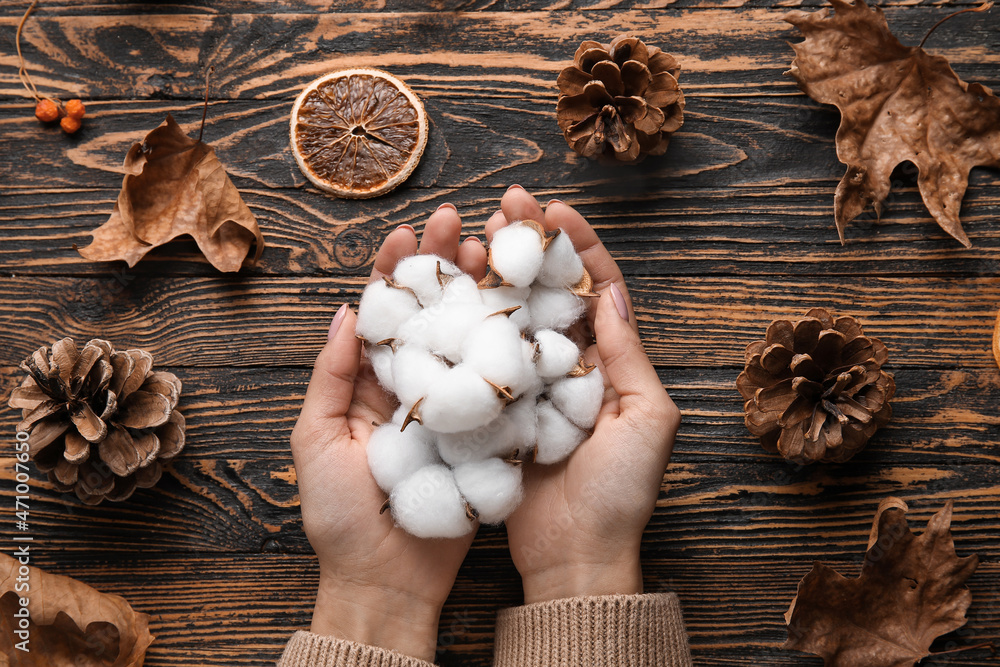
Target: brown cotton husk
[[175, 185], [71, 624], [911, 590], [897, 103]]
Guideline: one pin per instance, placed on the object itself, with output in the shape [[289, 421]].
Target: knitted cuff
[[306, 649], [602, 631]]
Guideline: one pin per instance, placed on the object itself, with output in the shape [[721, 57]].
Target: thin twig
[[22, 71], [982, 8], [204, 111]]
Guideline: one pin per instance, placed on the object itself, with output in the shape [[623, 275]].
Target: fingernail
[[409, 227], [514, 186], [616, 296], [476, 239], [554, 201], [447, 205], [338, 319]]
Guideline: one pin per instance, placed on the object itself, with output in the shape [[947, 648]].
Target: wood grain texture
[[686, 321], [731, 229], [223, 7]]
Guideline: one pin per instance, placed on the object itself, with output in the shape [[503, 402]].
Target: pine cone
[[100, 422], [620, 102], [815, 390]]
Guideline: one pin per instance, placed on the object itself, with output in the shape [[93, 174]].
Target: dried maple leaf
[[897, 103], [175, 185], [911, 590], [71, 623]]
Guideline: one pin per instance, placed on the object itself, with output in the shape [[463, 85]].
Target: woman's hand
[[578, 530], [378, 585]]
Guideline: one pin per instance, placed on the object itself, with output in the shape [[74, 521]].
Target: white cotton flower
[[553, 308], [492, 487], [502, 298], [495, 350], [380, 357], [579, 398], [461, 400], [428, 504], [443, 327], [386, 308], [469, 376], [562, 267], [516, 254], [394, 455], [557, 436], [512, 431], [420, 274], [414, 370], [557, 354]]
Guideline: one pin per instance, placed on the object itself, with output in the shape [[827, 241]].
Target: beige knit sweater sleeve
[[605, 631]]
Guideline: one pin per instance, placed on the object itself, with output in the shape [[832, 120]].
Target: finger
[[401, 242], [600, 264], [517, 204], [471, 258], [441, 233], [496, 222], [628, 368], [331, 387]]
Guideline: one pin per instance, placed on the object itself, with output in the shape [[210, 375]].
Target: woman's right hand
[[578, 530]]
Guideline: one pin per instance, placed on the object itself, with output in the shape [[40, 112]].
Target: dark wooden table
[[733, 228]]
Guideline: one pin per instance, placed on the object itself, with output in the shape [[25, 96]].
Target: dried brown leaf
[[175, 185], [897, 103], [911, 590], [71, 623]]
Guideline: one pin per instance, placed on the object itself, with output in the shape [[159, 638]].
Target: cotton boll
[[394, 455], [579, 398], [382, 310], [494, 349], [502, 298], [557, 436], [513, 431], [461, 400], [442, 328], [553, 308], [557, 354], [492, 487], [428, 504], [562, 267], [380, 357], [419, 273], [414, 371], [516, 254], [462, 290]]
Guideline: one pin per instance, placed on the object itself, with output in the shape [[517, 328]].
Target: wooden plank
[[686, 322], [234, 489], [780, 230], [941, 417], [241, 609], [273, 56], [225, 7]]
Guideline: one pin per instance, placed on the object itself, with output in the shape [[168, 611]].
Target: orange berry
[[69, 124], [75, 109], [46, 111]]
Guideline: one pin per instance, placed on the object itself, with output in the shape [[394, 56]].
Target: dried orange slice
[[358, 133]]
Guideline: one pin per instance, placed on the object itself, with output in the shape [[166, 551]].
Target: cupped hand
[[578, 529], [378, 584]]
